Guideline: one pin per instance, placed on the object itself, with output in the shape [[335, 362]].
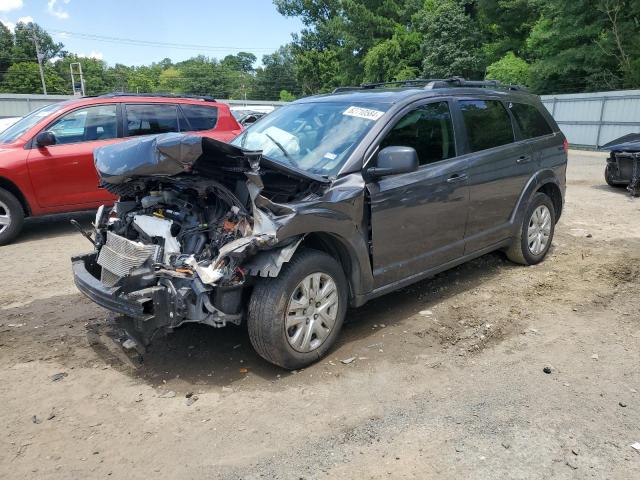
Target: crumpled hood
[[171, 154], [626, 143]]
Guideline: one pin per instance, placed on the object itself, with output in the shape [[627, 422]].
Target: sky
[[112, 30]]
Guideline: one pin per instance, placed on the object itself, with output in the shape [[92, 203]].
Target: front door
[[64, 174], [418, 218]]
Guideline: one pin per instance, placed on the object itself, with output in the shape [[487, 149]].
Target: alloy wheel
[[311, 312], [539, 230], [5, 217]]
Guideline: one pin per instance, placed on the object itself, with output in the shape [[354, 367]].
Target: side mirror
[[44, 139], [394, 160]]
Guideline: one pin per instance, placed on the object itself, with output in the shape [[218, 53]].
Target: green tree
[[585, 45], [398, 58], [24, 77], [286, 96], [24, 49], [6, 45], [509, 69], [343, 32], [277, 73], [451, 41], [170, 81], [242, 62]]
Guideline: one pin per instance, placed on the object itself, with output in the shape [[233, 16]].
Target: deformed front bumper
[[86, 277], [142, 312]]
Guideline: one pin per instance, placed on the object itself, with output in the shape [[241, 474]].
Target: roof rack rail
[[432, 83], [205, 98]]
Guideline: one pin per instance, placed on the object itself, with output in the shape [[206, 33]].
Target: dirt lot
[[447, 380]]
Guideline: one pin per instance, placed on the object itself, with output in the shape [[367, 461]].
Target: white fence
[[590, 120], [18, 105]]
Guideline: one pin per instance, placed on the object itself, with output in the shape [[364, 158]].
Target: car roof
[[392, 95], [134, 98]]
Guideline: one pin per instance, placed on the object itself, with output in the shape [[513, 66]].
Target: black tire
[[608, 177], [519, 251], [16, 214], [269, 303]]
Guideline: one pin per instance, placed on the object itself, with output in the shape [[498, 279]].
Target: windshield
[[16, 130], [315, 137]]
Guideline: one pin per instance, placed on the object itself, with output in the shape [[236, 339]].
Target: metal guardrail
[[589, 120], [18, 105]]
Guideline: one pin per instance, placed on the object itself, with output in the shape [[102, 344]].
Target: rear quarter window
[[530, 121], [487, 123], [200, 117], [147, 119]]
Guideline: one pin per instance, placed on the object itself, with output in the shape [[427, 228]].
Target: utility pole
[[40, 58]]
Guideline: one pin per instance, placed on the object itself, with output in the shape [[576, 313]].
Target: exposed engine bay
[[186, 234]]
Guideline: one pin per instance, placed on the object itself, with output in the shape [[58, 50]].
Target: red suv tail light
[[565, 145]]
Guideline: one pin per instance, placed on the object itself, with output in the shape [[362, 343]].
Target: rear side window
[[487, 122], [152, 118], [531, 122], [200, 117], [428, 129]]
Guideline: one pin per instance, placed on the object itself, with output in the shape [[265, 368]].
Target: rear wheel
[[295, 318], [11, 216], [535, 233]]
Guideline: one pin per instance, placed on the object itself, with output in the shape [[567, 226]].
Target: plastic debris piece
[[347, 361], [58, 376]]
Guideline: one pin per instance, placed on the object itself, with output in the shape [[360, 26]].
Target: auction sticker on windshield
[[366, 113]]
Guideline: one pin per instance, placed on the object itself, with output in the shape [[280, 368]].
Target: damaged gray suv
[[322, 205]]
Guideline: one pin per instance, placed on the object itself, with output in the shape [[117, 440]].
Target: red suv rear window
[[200, 117]]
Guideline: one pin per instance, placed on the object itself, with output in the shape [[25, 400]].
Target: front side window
[[147, 119], [315, 137], [531, 122], [428, 129], [15, 131], [487, 123], [86, 124], [200, 117]]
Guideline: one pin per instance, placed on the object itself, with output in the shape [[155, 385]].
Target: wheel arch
[[339, 249], [552, 190], [12, 188], [544, 181]]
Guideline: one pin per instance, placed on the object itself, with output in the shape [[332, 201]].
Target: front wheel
[[535, 234], [295, 318], [11, 216]]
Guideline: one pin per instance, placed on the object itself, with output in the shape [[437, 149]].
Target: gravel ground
[[447, 380]]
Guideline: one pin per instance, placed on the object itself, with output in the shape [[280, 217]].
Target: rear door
[[418, 218], [64, 174], [547, 148], [499, 167]]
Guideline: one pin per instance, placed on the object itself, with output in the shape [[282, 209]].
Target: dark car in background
[[46, 158], [623, 164], [324, 204]]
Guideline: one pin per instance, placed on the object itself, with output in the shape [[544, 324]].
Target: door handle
[[457, 177], [523, 159]]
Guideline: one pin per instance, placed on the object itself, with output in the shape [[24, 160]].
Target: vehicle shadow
[[39, 228], [621, 190], [201, 355]]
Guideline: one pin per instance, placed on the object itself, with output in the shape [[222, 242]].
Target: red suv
[[46, 159]]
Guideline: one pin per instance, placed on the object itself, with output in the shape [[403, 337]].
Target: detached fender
[[543, 179]]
